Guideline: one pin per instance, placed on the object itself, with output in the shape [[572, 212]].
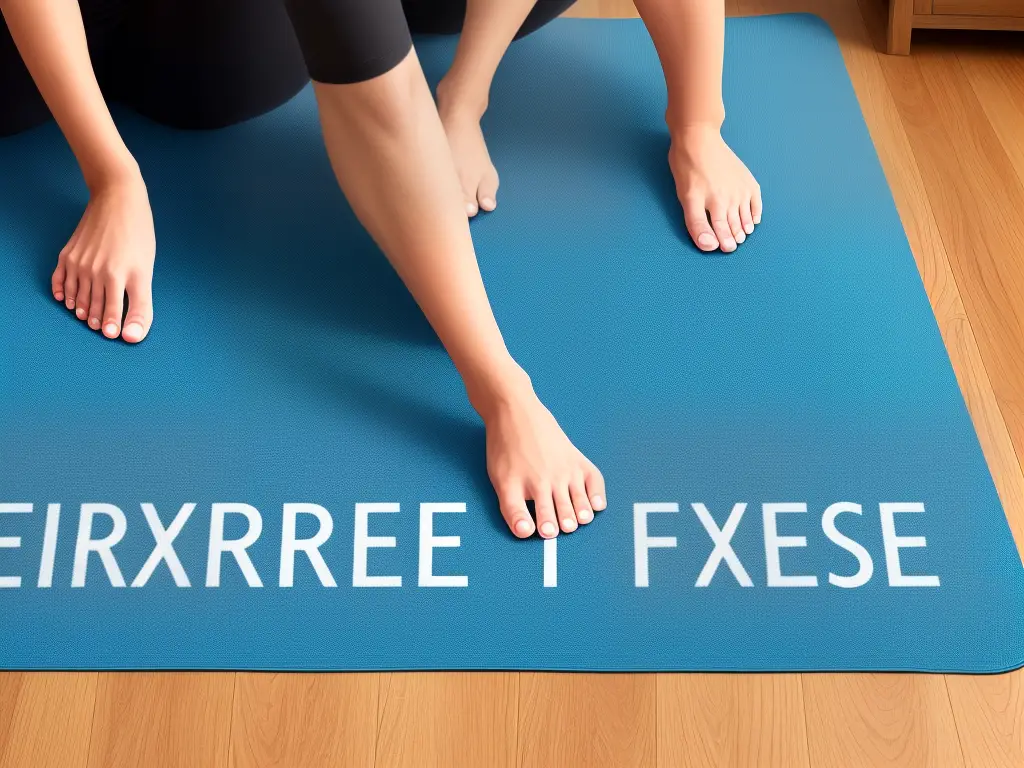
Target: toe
[[696, 218], [113, 307], [745, 218], [471, 208], [57, 281], [70, 286], [512, 502], [488, 192], [96, 307], [84, 297], [595, 488], [735, 225], [140, 310], [544, 504], [755, 206], [580, 502], [564, 509], [720, 222]]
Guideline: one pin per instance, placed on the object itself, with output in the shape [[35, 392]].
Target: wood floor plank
[[161, 720], [996, 75], [731, 721], [600, 721], [880, 720], [308, 720], [448, 720], [45, 719], [976, 198], [989, 712]]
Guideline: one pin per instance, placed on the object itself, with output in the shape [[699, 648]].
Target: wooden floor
[[948, 123]]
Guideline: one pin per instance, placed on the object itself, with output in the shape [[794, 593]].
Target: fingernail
[[110, 329], [569, 524], [598, 502], [523, 527], [80, 313], [548, 528], [707, 241], [134, 330], [585, 515]]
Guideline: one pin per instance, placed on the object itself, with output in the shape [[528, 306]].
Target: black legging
[[211, 63]]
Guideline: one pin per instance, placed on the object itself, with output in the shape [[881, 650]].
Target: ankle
[[457, 99], [497, 389]]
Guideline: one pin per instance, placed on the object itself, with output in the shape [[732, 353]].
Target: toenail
[[487, 203], [569, 524], [523, 527], [548, 528], [470, 209], [110, 329], [585, 515], [598, 501], [757, 219], [133, 329], [70, 303], [749, 228], [706, 241], [80, 313], [59, 296]]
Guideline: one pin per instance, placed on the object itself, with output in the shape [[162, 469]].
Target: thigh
[[206, 63], [445, 17]]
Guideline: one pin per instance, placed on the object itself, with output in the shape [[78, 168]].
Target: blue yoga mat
[[794, 399]]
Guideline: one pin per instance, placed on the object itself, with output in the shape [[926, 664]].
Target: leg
[[488, 27], [710, 179], [113, 247], [21, 105], [386, 144], [901, 14]]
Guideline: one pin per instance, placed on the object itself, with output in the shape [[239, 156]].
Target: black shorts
[[211, 63]]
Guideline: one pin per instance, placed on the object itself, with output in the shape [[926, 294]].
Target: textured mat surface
[[290, 366]]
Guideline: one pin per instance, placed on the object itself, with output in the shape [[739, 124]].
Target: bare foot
[[477, 173], [112, 250], [711, 180], [530, 457]]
